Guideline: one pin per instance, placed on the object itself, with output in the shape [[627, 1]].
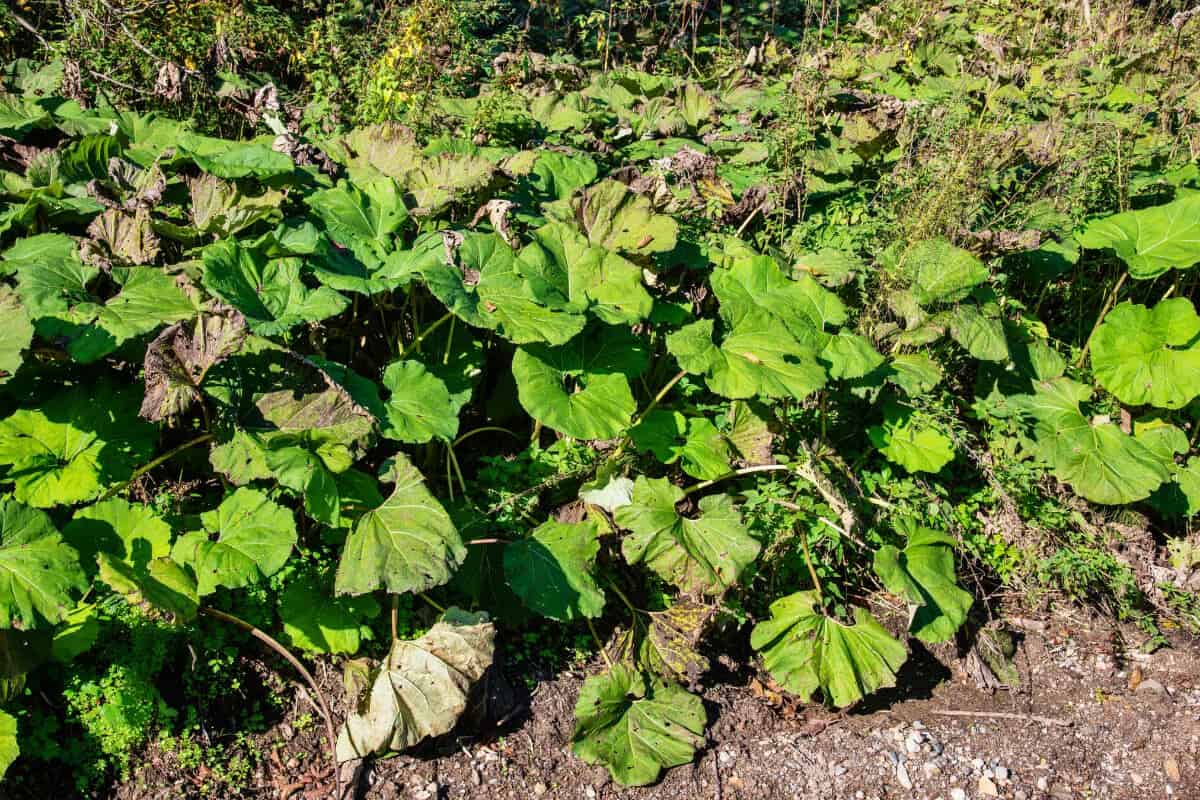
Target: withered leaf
[[127, 237], [179, 357]]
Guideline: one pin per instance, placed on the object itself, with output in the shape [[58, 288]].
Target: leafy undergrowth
[[626, 363]]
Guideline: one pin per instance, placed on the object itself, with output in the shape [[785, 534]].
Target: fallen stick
[[1065, 723]]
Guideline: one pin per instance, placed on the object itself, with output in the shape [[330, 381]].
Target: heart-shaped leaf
[[72, 446], [756, 358], [408, 544], [599, 365], [904, 438], [420, 407], [923, 574], [1101, 462], [1150, 355], [1152, 240], [551, 570], [246, 538], [706, 554], [317, 623], [636, 725], [804, 650]]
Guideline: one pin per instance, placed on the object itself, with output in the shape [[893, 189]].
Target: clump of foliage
[[655, 353]]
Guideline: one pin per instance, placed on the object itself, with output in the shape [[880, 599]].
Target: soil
[[1088, 720]]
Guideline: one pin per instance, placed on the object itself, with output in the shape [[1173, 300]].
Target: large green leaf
[[365, 216], [148, 298], [980, 334], [71, 447], [447, 178], [486, 289], [421, 688], [756, 358], [38, 571], [420, 406], [134, 534], [916, 445], [268, 291], [389, 148], [565, 272], [941, 272], [804, 650], [311, 470], [706, 554], [617, 218], [246, 538], [750, 286], [1101, 462], [50, 276], [16, 333], [695, 442], [923, 574], [1150, 355], [1152, 240], [160, 586], [220, 208], [599, 365], [551, 570], [408, 544], [850, 356], [9, 749], [317, 623], [229, 160], [636, 725]]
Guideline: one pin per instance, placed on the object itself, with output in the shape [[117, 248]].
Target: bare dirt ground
[[1088, 721]]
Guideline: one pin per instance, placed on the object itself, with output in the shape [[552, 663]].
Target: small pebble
[[987, 787], [958, 793], [1001, 773], [539, 789], [902, 777]]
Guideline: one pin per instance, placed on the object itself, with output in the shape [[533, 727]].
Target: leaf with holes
[[706, 554], [421, 688], [805, 650], [636, 725], [581, 389], [618, 219]]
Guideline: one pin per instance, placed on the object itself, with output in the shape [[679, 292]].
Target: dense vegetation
[[384, 332]]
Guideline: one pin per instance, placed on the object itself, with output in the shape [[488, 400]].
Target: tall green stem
[[415, 343], [167, 456]]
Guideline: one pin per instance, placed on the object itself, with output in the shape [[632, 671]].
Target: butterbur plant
[[331, 348]]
